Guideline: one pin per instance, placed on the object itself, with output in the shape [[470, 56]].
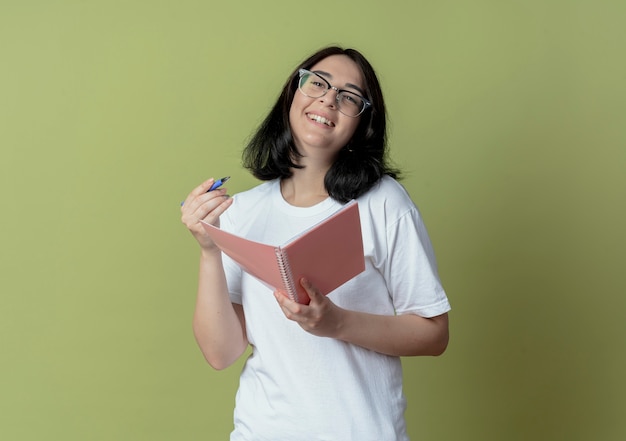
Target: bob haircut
[[270, 153]]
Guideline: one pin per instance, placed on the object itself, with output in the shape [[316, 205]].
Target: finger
[[202, 188], [283, 299], [314, 294], [220, 203], [196, 200], [207, 208], [290, 308], [210, 207]]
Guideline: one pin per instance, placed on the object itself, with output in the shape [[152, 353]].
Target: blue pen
[[217, 184]]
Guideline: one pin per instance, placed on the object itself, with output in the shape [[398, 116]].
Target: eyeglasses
[[316, 86]]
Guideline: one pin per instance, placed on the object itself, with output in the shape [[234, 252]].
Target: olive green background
[[508, 119]]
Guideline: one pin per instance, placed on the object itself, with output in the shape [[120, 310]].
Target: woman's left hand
[[320, 317], [396, 335]]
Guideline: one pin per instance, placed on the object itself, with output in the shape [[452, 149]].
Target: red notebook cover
[[328, 254]]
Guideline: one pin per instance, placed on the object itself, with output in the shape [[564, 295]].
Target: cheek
[[293, 123], [295, 109], [351, 125], [292, 112], [298, 102]]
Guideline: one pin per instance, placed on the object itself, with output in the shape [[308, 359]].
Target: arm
[[401, 335], [218, 325]]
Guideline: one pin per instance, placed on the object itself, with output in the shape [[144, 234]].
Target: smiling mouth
[[320, 119]]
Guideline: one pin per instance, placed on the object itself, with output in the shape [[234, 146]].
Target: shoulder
[[247, 204], [387, 198]]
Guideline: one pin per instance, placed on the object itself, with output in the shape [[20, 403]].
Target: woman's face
[[319, 129]]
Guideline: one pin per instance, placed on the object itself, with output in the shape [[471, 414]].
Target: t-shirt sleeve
[[232, 270], [233, 279], [411, 268]]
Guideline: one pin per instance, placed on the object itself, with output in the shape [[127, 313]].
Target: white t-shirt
[[296, 386]]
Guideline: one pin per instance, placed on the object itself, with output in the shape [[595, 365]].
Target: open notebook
[[328, 254]]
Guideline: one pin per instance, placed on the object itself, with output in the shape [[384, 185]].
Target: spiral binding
[[285, 273]]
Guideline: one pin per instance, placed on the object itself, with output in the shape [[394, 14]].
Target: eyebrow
[[330, 77]]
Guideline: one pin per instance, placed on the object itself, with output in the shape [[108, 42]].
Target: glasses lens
[[349, 103], [312, 85]]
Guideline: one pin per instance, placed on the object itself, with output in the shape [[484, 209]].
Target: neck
[[304, 188]]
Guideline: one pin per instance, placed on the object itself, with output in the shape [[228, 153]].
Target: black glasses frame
[[303, 72]]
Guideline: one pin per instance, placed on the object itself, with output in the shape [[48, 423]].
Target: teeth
[[320, 119]]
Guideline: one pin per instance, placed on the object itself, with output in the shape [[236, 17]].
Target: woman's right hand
[[208, 207]]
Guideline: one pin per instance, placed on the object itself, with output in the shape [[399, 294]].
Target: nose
[[329, 98]]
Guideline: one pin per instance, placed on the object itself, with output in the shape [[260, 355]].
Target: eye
[[351, 99]]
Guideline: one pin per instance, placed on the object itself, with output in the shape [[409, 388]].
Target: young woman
[[329, 370]]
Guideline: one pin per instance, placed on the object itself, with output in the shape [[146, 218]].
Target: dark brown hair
[[359, 165]]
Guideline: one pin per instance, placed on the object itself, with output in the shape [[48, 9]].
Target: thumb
[[314, 294]]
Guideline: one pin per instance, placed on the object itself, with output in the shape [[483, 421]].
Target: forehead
[[341, 69]]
